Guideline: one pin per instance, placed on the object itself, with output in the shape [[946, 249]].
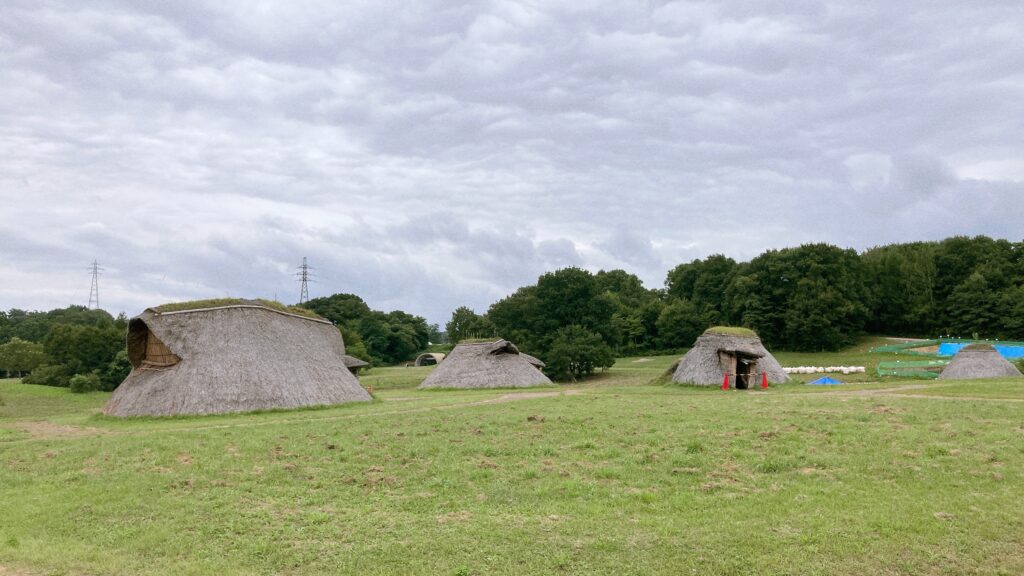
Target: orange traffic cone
[[764, 381], [725, 382]]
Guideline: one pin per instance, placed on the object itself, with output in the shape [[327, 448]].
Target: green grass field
[[610, 476]]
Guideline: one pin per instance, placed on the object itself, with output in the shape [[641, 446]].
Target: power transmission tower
[[305, 277], [94, 290]]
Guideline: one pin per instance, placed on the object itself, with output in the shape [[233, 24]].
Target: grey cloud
[[438, 154]]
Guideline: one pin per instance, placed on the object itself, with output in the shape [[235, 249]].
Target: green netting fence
[[912, 368], [907, 347]]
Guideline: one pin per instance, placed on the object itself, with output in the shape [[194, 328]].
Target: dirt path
[[37, 429]]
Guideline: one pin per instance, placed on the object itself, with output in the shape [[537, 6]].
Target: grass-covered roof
[[218, 302], [731, 331]]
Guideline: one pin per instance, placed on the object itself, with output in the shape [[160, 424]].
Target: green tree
[[354, 345], [81, 349], [515, 318], [116, 371], [80, 383], [770, 293], [973, 307], [341, 309], [901, 288], [576, 352], [18, 356], [704, 283], [679, 324], [468, 324]]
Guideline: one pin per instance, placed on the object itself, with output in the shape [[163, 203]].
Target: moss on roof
[[731, 331], [218, 302]]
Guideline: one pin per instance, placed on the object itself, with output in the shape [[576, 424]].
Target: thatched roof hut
[[496, 364], [429, 359], [737, 352], [354, 364], [978, 361], [235, 357]]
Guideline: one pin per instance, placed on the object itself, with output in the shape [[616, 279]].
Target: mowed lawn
[[612, 476]]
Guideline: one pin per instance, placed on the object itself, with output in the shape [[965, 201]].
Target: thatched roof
[[703, 363], [496, 364], [232, 358], [354, 364], [978, 361]]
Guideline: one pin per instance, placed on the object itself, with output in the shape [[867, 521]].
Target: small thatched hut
[[497, 364], [236, 357], [723, 350], [354, 364], [978, 361], [429, 359]]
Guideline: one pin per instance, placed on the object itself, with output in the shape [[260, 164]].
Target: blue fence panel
[[1009, 352]]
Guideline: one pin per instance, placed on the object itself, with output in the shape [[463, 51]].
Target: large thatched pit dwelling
[[492, 364], [978, 361], [737, 352], [240, 356]]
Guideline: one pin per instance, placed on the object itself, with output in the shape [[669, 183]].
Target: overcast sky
[[426, 155]]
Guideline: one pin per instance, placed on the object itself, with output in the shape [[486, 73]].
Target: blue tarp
[[825, 381], [1009, 352]]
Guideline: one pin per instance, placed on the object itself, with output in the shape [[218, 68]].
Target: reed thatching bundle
[[978, 361], [233, 358], [497, 364], [716, 352]]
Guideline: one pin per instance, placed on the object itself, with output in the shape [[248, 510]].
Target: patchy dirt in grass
[[8, 571], [43, 429], [902, 392], [529, 396]]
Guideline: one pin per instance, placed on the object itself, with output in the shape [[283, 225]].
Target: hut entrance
[[158, 355], [746, 370]]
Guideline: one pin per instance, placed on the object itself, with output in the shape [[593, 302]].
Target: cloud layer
[[440, 154]]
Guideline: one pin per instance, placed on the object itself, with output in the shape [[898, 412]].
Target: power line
[[305, 277], [94, 289]]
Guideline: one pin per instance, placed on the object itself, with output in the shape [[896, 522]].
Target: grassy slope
[[618, 477]]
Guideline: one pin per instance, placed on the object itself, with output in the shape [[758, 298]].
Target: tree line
[[375, 336], [814, 297], [74, 347]]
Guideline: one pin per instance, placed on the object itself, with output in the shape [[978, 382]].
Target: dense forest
[[809, 298]]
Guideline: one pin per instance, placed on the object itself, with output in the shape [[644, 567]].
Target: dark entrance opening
[[746, 369]]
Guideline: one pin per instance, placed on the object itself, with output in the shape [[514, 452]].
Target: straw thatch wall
[[495, 364], [709, 359], [978, 361], [532, 360], [234, 358]]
